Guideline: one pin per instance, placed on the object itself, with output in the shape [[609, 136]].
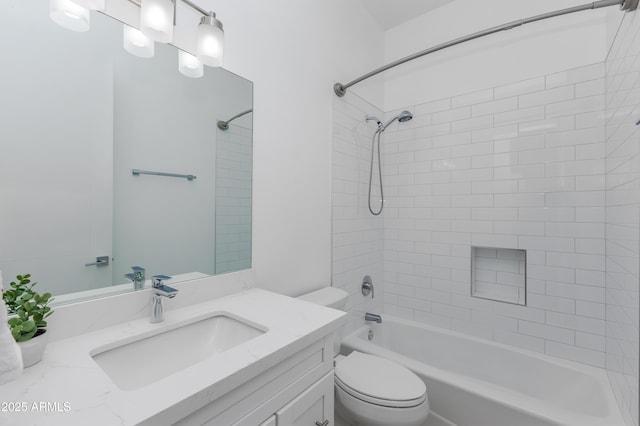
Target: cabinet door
[[313, 407], [271, 421]]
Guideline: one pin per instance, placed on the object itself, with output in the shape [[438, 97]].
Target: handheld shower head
[[402, 117], [405, 116]]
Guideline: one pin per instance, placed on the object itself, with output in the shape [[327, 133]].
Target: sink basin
[[147, 358]]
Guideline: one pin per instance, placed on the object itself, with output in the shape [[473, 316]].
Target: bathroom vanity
[[248, 358]]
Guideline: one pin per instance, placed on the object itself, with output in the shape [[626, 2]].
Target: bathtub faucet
[[372, 317]]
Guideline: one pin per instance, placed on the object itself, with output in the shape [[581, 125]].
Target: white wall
[[532, 50], [294, 51]]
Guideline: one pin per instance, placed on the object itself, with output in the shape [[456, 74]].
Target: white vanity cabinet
[[314, 407], [296, 391]]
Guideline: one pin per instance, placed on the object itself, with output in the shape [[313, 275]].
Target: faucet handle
[[137, 277], [367, 286], [158, 280]]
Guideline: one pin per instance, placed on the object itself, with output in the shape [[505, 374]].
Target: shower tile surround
[[233, 199], [622, 169], [531, 165], [519, 166], [358, 238]]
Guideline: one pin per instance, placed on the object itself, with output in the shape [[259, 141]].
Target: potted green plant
[[27, 312]]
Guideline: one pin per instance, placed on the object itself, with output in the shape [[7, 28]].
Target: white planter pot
[[33, 349]]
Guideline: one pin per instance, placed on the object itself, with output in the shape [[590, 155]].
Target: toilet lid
[[379, 381]]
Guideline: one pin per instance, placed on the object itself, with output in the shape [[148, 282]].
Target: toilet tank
[[330, 297]]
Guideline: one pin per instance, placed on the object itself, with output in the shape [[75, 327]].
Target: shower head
[[404, 116]]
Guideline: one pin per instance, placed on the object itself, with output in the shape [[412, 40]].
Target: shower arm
[[224, 125], [239, 115], [626, 5]]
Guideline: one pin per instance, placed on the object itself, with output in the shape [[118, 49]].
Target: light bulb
[[189, 65], [69, 15], [156, 19], [210, 39], [137, 43]]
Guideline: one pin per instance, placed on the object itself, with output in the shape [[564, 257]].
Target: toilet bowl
[[371, 390]]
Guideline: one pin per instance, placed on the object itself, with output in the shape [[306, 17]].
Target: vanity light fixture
[[136, 43], [210, 45], [189, 65], [157, 19], [91, 4], [69, 15], [157, 22]]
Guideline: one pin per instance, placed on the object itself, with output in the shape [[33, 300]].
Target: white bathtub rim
[[500, 394]]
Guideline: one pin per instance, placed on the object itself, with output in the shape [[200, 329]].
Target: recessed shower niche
[[499, 274]]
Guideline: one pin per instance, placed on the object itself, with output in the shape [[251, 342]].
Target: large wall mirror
[[77, 115]]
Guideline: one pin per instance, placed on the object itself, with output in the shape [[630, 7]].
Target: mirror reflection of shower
[[224, 125], [402, 117]]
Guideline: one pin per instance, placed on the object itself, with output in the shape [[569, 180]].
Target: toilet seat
[[379, 381]]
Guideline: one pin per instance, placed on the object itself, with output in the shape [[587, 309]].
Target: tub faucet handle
[[367, 286]]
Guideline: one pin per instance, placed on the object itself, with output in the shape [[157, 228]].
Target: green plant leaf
[[29, 308], [28, 326]]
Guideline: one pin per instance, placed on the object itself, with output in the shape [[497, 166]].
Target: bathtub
[[474, 382]]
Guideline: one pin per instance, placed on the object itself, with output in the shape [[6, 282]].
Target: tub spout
[[372, 317]]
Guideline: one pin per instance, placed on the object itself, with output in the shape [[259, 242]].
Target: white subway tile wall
[[622, 167], [233, 198], [537, 165], [358, 236], [509, 168]]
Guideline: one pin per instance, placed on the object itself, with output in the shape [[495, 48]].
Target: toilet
[[371, 390]]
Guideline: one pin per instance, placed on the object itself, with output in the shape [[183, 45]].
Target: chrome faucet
[[137, 277], [160, 290], [372, 317]]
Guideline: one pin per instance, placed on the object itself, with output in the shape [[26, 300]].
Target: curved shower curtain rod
[[626, 5]]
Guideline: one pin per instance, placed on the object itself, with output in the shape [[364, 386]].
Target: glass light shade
[[156, 19], [69, 15], [210, 39], [189, 65], [91, 4], [137, 43]]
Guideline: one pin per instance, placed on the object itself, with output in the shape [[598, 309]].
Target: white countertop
[[68, 388]]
